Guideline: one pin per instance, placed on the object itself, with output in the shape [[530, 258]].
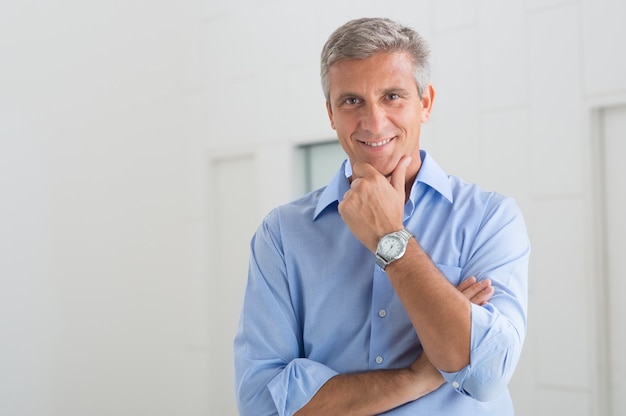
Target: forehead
[[379, 71]]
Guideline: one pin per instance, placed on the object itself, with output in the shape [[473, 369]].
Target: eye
[[351, 101], [393, 96]]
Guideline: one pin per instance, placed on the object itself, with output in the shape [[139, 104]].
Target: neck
[[408, 185]]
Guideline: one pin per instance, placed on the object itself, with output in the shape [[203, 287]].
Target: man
[[361, 296]]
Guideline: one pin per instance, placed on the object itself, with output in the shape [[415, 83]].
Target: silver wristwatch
[[392, 247]]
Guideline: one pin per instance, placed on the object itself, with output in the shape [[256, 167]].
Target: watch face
[[391, 246]]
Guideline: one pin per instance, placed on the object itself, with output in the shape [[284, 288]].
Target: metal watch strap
[[406, 234]]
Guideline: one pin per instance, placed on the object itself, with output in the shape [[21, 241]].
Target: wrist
[[425, 378]]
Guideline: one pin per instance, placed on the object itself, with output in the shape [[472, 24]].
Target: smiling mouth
[[377, 144]]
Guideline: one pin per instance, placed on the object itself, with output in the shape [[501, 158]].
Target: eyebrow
[[397, 90]]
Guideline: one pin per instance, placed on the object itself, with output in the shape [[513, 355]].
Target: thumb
[[398, 176]]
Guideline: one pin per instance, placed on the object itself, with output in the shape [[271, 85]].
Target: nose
[[373, 118]]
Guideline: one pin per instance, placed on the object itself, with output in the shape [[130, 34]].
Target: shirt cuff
[[495, 348], [297, 383], [456, 379]]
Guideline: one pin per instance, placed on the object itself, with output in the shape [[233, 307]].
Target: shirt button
[[382, 313], [455, 384], [379, 360]]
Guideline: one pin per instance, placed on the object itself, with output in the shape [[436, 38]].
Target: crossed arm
[[374, 392]]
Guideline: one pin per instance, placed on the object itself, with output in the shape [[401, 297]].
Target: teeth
[[378, 144]]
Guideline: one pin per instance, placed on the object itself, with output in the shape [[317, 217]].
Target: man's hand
[[374, 205], [477, 292]]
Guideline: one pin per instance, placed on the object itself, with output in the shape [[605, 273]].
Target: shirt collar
[[429, 174], [432, 175], [335, 190]]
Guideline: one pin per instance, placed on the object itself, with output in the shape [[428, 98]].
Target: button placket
[[382, 292]]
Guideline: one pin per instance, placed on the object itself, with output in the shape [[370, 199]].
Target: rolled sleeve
[[501, 251], [495, 349], [297, 383], [271, 376]]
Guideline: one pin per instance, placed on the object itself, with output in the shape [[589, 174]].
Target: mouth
[[378, 143]]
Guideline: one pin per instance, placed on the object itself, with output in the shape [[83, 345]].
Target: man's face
[[374, 107]]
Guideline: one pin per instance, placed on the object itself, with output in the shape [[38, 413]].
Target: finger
[[362, 170], [476, 288], [466, 283], [483, 296], [398, 176]]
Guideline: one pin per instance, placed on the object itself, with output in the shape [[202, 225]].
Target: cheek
[[344, 125], [409, 122]]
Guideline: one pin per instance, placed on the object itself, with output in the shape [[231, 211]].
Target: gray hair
[[362, 38]]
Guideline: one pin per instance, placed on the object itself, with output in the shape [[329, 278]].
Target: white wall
[[117, 124], [97, 241]]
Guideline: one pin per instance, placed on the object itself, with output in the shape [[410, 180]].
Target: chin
[[386, 168]]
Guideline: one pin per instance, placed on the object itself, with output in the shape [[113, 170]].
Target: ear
[[427, 102], [330, 115]]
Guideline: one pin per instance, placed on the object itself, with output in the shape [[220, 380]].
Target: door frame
[[598, 284]]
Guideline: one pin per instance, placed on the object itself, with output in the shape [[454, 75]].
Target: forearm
[[440, 314], [371, 393]]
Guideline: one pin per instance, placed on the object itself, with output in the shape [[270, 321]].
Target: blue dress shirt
[[316, 305]]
